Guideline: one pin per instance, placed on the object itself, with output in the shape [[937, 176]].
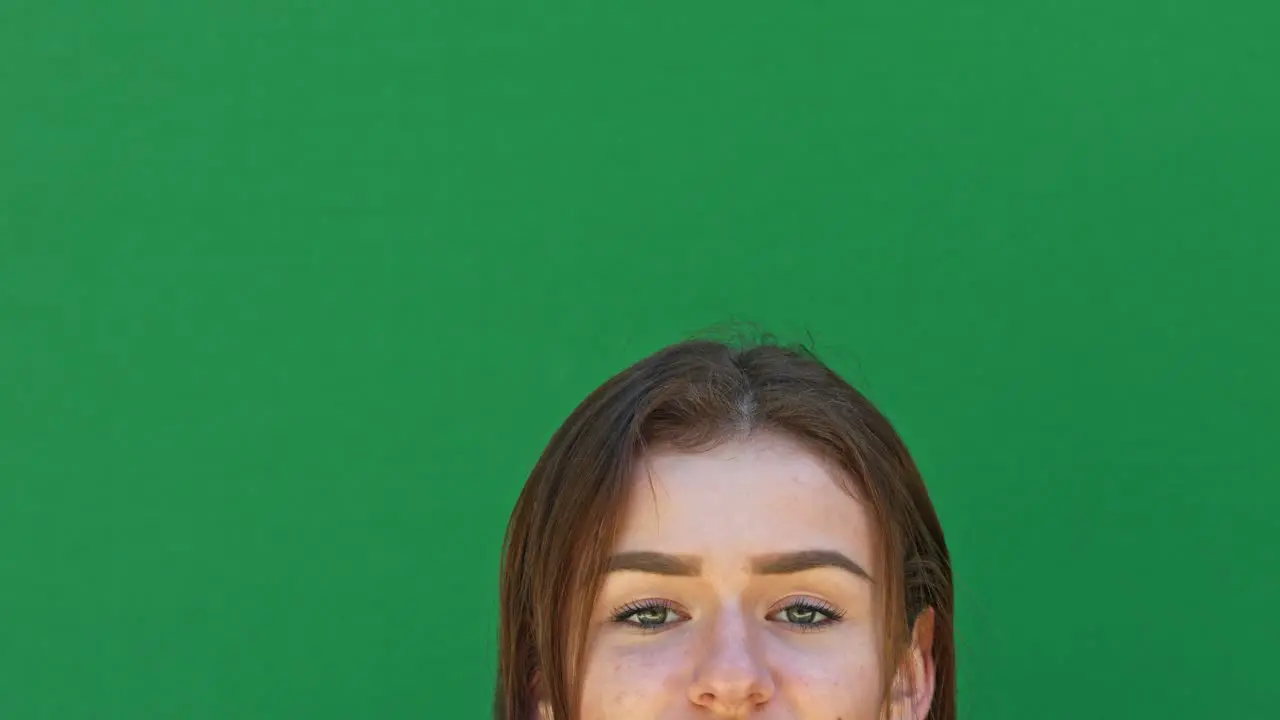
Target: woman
[[725, 532]]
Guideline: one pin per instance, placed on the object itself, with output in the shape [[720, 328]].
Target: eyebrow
[[657, 563], [794, 562]]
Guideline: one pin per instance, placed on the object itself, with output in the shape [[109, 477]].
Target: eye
[[807, 614], [648, 615]]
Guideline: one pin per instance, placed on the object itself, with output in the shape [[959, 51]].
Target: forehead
[[764, 494]]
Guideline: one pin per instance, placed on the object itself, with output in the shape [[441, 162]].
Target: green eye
[[648, 615], [807, 614], [802, 615], [651, 616]]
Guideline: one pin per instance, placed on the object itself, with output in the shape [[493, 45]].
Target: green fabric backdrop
[[292, 294]]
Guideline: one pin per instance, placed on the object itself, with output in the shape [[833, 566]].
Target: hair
[[691, 396]]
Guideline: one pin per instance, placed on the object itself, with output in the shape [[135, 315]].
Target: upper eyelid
[[637, 606], [816, 603]]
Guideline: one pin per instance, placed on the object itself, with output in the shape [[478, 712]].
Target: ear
[[542, 708], [912, 692]]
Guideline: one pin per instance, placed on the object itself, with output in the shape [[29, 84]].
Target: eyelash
[[623, 614], [832, 613]]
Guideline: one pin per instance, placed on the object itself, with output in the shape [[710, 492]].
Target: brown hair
[[690, 396]]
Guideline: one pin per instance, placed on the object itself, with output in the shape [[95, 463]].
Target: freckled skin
[[724, 643]]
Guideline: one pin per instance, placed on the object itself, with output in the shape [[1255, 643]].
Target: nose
[[731, 677]]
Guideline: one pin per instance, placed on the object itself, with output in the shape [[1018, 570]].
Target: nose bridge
[[731, 674], [730, 637]]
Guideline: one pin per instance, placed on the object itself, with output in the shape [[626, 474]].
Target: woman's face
[[741, 587]]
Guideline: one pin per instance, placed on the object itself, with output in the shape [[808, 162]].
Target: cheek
[[836, 680], [635, 681]]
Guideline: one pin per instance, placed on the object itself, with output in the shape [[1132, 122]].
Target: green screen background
[[293, 293]]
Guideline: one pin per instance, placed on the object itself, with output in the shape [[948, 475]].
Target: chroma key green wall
[[293, 293]]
